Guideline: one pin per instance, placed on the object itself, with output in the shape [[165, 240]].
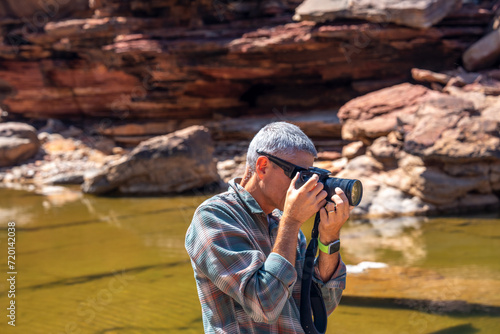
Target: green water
[[118, 265]]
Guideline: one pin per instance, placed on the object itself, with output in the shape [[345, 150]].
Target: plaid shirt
[[243, 287]]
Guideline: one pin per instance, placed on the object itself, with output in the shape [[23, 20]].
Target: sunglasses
[[289, 168]]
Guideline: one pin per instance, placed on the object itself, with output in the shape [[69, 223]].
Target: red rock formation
[[173, 60], [438, 152]]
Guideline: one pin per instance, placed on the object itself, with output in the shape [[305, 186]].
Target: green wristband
[[331, 248]]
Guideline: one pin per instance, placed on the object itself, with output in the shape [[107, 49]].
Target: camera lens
[[356, 192], [353, 189]]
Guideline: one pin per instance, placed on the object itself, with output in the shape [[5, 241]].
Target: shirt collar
[[245, 196]]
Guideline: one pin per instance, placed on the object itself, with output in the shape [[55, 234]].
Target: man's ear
[[262, 167]]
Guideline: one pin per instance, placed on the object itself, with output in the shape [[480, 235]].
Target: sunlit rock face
[[140, 69], [438, 152], [18, 142], [172, 163], [130, 60], [412, 13]]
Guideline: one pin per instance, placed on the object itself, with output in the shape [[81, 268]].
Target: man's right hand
[[302, 203]]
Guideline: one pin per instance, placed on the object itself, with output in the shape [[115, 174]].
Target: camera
[[351, 187]]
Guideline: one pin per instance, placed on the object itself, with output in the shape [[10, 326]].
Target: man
[[246, 246]]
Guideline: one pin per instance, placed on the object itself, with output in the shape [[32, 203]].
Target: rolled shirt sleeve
[[331, 290]]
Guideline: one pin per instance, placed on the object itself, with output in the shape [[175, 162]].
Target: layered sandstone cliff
[[110, 75], [166, 60]]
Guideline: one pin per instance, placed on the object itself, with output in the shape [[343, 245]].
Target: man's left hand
[[333, 217]]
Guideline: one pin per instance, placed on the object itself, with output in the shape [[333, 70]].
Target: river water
[[117, 265]]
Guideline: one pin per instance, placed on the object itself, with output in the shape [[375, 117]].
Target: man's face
[[276, 183]]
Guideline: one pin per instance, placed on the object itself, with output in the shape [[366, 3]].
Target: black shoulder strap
[[311, 300]]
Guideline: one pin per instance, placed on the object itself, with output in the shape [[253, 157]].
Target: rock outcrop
[[412, 13], [484, 53], [176, 60], [439, 152], [65, 156], [130, 72], [173, 163], [18, 142], [417, 150]]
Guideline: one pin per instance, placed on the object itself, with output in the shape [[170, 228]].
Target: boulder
[[450, 129], [412, 13], [18, 142], [353, 149], [367, 130], [483, 53], [172, 163], [65, 178], [435, 125], [383, 102], [434, 186], [381, 198], [442, 155], [384, 151], [392, 201], [429, 76], [376, 114]]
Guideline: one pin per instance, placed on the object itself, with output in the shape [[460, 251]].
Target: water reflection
[[74, 249], [57, 196], [371, 240], [18, 214]]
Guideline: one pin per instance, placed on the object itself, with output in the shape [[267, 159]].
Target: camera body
[[351, 187]]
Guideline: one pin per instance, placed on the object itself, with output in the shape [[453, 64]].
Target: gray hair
[[278, 138]]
